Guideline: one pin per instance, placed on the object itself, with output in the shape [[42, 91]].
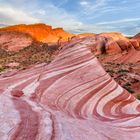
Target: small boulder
[[12, 64], [17, 93]]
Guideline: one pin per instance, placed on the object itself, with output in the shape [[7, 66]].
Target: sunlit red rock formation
[[116, 42], [41, 32], [114, 35], [72, 98], [136, 41], [85, 35], [137, 36], [14, 41], [112, 43]]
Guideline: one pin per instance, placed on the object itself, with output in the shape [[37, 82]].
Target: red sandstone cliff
[[41, 32]]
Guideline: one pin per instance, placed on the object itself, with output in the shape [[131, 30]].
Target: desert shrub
[[129, 89], [122, 70], [34, 53], [111, 63], [3, 53], [110, 71], [2, 69], [118, 64], [138, 96], [127, 86]]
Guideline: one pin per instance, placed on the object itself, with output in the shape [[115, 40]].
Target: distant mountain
[[2, 25]]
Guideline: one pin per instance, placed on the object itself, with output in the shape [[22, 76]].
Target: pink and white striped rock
[[72, 98]]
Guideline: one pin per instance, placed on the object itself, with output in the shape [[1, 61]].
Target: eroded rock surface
[[113, 43], [14, 41], [72, 98], [41, 32]]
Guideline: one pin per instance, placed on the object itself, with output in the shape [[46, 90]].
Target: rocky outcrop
[[137, 36], [135, 43], [113, 43], [113, 35], [112, 47], [41, 32], [72, 98], [110, 43], [14, 41], [124, 45], [85, 35]]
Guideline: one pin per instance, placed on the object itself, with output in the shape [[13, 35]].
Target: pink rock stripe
[[72, 98]]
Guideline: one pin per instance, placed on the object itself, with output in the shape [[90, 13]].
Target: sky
[[76, 16]]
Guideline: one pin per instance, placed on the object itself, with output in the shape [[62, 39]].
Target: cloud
[[49, 14], [10, 15], [91, 6], [75, 16], [84, 3], [93, 28], [120, 21], [52, 15], [42, 12], [94, 9], [57, 17]]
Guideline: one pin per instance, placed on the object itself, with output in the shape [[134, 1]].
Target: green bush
[[138, 96], [2, 69], [122, 70], [110, 71], [127, 86]]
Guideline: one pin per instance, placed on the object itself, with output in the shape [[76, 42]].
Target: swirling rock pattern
[[72, 98]]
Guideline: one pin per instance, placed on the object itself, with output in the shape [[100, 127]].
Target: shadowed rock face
[[72, 98]]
